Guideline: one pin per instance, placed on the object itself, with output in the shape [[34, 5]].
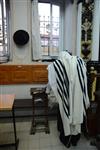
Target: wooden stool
[[39, 95]]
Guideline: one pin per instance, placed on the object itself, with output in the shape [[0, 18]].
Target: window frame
[[59, 3], [6, 56]]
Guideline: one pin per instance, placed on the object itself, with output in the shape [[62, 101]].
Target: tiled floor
[[39, 141]]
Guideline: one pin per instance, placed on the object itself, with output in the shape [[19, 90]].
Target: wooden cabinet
[[23, 74]]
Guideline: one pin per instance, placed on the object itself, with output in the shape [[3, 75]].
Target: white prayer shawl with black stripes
[[67, 78]]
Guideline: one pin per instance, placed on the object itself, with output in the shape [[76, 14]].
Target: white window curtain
[[70, 14], [4, 31], [36, 42], [96, 30], [79, 23]]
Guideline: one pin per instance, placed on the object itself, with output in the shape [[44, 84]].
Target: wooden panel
[[23, 74], [40, 74], [4, 77], [21, 77]]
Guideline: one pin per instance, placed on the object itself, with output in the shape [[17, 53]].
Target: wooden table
[[7, 104]]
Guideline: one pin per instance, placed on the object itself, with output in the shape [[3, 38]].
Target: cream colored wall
[[20, 91], [20, 20], [21, 14], [96, 31], [70, 26]]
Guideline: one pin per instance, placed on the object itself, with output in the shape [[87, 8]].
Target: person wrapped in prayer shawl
[[68, 80]]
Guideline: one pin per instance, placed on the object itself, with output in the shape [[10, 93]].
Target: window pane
[[3, 29], [44, 13], [49, 28], [1, 36], [55, 29]]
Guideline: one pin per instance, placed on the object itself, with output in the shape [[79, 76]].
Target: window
[[4, 34], [49, 17]]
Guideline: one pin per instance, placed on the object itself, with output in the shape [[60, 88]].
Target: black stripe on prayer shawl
[[65, 74], [65, 80], [82, 90], [82, 75], [65, 77], [63, 104], [79, 75], [81, 61], [61, 86], [83, 85], [60, 91], [60, 80], [78, 58]]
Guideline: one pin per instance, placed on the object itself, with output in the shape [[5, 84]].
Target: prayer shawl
[[67, 78]]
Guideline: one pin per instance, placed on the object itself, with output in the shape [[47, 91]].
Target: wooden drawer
[[40, 74], [21, 76], [5, 78]]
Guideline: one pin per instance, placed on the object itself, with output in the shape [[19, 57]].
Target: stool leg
[[46, 114], [33, 126], [14, 126]]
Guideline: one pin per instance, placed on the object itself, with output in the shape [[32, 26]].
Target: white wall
[[70, 26], [96, 30], [79, 34], [20, 91], [20, 19]]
